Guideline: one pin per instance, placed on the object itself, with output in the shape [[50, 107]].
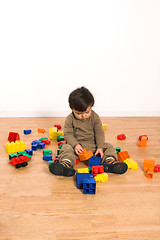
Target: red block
[[97, 170], [121, 136], [57, 126], [13, 137], [46, 141]]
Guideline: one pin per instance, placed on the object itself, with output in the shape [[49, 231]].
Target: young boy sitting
[[83, 129]]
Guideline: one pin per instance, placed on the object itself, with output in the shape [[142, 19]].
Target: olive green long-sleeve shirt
[[89, 133]]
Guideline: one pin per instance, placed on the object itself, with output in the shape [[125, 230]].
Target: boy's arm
[[68, 131], [99, 132]]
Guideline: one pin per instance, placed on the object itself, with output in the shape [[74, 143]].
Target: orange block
[[41, 130], [123, 156], [142, 142], [85, 155], [148, 166]]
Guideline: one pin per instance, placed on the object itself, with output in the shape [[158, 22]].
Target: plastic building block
[[131, 163], [57, 126], [89, 186], [62, 143], [53, 133], [21, 161], [41, 130], [27, 131], [157, 168], [15, 146], [34, 147], [80, 177], [47, 157], [83, 170], [51, 161], [56, 160], [148, 166], [118, 149], [41, 145], [101, 177], [13, 137], [121, 136], [142, 142], [59, 134], [85, 155], [122, 156], [77, 161], [46, 141], [47, 152], [97, 170], [95, 161], [29, 151], [140, 137], [104, 126], [60, 138], [42, 138]]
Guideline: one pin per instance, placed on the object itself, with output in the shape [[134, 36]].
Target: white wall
[[49, 48]]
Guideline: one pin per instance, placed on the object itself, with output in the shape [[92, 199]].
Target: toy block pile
[[86, 177], [123, 156]]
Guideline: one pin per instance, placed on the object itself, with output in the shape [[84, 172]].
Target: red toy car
[[121, 136], [20, 161]]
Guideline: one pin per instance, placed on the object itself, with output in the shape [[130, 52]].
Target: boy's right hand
[[78, 149]]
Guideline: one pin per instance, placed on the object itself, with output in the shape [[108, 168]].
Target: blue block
[[47, 157], [80, 177], [95, 161], [27, 131], [29, 151], [89, 186], [34, 147], [35, 142], [41, 145]]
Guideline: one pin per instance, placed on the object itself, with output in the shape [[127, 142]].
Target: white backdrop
[[49, 48]]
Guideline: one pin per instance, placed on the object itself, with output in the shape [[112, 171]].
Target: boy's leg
[[110, 161], [67, 159]]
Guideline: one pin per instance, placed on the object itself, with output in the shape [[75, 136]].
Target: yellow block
[[104, 126], [83, 170], [15, 146], [101, 177], [59, 134], [53, 133], [131, 163]]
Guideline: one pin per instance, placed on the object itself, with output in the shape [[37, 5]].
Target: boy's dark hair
[[80, 99]]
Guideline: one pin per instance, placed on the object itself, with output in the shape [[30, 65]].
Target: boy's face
[[82, 115]]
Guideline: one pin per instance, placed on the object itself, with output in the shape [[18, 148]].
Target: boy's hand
[[78, 149], [100, 151]]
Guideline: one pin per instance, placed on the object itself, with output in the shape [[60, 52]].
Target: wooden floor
[[34, 204]]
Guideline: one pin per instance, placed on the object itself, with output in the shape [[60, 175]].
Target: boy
[[83, 129]]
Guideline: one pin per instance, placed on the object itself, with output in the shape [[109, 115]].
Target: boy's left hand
[[100, 151]]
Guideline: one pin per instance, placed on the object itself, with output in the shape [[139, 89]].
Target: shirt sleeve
[[99, 132], [68, 131]]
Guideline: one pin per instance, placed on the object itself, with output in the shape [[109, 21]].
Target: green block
[[50, 162], [21, 152], [58, 151], [118, 149], [60, 138], [47, 152], [42, 138], [12, 155], [90, 169]]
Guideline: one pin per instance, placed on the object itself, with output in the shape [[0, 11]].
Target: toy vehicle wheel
[[24, 164], [18, 165]]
